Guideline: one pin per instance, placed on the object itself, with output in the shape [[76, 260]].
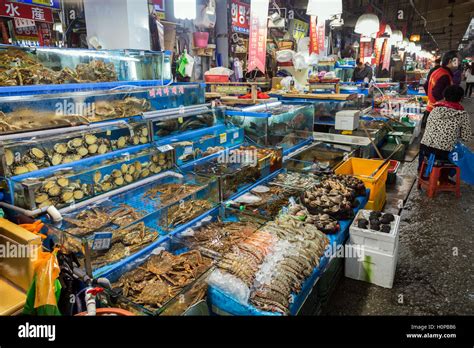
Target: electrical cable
[[412, 3]]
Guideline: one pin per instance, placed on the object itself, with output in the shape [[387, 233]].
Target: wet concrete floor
[[435, 271]]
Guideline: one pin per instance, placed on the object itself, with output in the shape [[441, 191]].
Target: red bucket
[[201, 39]]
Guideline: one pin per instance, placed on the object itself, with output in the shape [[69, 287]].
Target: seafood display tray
[[275, 124], [223, 304], [185, 297], [60, 186]]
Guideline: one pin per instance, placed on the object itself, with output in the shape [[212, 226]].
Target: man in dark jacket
[[362, 72]]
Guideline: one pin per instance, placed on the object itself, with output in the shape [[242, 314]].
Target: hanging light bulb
[[397, 36], [184, 9], [415, 38], [367, 24], [324, 9]]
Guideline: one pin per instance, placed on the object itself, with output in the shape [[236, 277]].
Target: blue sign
[[53, 4]]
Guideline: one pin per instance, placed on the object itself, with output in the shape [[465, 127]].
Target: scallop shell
[[76, 157], [48, 184], [124, 168], [102, 149], [116, 173], [20, 170], [93, 149], [138, 166], [68, 159], [143, 140], [56, 159], [82, 151], [119, 181], [128, 178], [54, 191], [145, 173], [144, 132], [41, 198], [60, 148], [67, 196], [136, 140], [37, 153], [97, 177], [31, 167], [161, 156], [106, 186], [63, 182], [45, 204], [9, 157], [90, 139], [155, 158], [131, 169], [121, 142], [157, 169], [162, 162], [78, 195], [76, 142]]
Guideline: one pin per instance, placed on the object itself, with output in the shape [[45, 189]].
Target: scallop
[[78, 195], [60, 148], [128, 178], [48, 184], [82, 151], [20, 170], [124, 168], [76, 157], [145, 173], [106, 186], [97, 177], [144, 132], [155, 158], [138, 166], [161, 156], [68, 159], [67, 196], [90, 139], [136, 140], [116, 173], [45, 204], [143, 140], [162, 162], [76, 142], [136, 175], [121, 142], [63, 182], [56, 159], [37, 153], [54, 191], [119, 181], [156, 169], [9, 157], [31, 167], [131, 169], [93, 149], [102, 149], [41, 198]]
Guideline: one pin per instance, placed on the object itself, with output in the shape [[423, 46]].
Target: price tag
[[109, 132], [102, 241], [165, 148], [236, 135], [180, 120], [223, 138], [188, 150]]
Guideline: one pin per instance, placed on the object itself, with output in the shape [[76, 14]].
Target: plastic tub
[[363, 169], [392, 171], [216, 78], [201, 39]]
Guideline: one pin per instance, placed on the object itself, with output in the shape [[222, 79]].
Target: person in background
[[362, 73], [457, 76], [440, 79], [437, 65], [469, 75], [447, 124]]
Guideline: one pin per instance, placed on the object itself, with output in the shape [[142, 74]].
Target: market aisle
[[429, 279]]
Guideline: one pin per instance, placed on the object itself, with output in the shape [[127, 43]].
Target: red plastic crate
[[216, 78]]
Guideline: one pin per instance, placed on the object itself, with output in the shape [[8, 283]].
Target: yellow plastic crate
[[378, 203], [363, 169]]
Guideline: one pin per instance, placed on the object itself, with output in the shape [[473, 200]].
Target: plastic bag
[[463, 157], [284, 56], [219, 71], [300, 61], [230, 285]]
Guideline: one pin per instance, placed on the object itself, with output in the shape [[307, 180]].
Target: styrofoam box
[[374, 240], [347, 119], [373, 266]]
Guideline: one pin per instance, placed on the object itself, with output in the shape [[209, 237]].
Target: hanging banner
[[387, 55], [240, 13], [365, 51], [313, 35], [298, 29], [322, 37], [25, 29], [258, 35], [378, 50], [17, 10]]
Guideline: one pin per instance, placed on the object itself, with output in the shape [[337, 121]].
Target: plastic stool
[[437, 182]]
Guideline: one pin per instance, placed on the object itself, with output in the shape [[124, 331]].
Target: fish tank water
[[62, 66]]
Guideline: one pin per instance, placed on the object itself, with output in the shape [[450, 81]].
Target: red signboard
[[240, 12], [322, 37], [258, 35], [17, 10]]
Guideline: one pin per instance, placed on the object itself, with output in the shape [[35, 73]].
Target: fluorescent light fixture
[[184, 9], [324, 9]]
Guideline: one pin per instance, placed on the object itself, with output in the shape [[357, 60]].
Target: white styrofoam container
[[347, 119], [375, 240], [373, 266]]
